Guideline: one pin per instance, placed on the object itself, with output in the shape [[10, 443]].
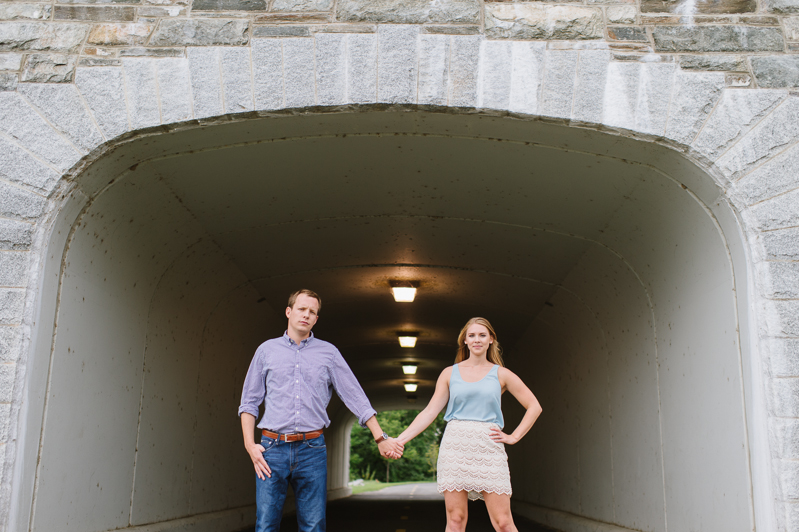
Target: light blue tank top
[[475, 401]]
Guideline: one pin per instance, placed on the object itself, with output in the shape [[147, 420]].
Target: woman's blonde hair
[[494, 354]]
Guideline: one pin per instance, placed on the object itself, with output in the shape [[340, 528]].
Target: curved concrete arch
[[744, 140]]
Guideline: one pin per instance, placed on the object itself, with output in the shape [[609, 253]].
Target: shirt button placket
[[296, 390]]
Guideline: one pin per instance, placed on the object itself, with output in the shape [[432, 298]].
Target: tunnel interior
[[606, 274]]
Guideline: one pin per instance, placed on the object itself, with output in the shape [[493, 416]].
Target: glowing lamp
[[409, 369], [403, 294], [407, 341], [410, 386]]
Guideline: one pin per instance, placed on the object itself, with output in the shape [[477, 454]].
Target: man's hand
[[391, 448], [256, 451]]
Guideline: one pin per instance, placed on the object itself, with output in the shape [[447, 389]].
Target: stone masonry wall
[[717, 80]]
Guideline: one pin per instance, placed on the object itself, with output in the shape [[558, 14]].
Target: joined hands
[[391, 448]]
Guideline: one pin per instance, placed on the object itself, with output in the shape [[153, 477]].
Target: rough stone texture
[[559, 77], [433, 67], [293, 6], [15, 11], [780, 279], [50, 68], [526, 76], [14, 268], [731, 63], [298, 72], [463, 64], [495, 74], [12, 301], [697, 8], [5, 421], [58, 37], [98, 61], [791, 28], [782, 6], [621, 14], [15, 235], [397, 64], [362, 68], [174, 88], [10, 61], [304, 18], [765, 140], [200, 32], [10, 342], [103, 89], [655, 87], [93, 13], [8, 81], [267, 63], [784, 362], [152, 52], [452, 30], [717, 39], [591, 78], [776, 71], [206, 80], [133, 34], [777, 213], [534, 21], [163, 11], [236, 80], [782, 319], [776, 176], [781, 245], [7, 374], [694, 96], [21, 122], [142, 92], [789, 475], [408, 11], [229, 5], [736, 113], [331, 68], [20, 204], [19, 166], [620, 94], [280, 31], [627, 33]]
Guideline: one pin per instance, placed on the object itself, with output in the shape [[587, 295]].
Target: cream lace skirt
[[470, 461]]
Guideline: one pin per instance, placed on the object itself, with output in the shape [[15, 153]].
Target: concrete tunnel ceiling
[[608, 281]]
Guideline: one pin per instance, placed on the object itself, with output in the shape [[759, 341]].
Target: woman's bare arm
[[511, 382], [436, 405]]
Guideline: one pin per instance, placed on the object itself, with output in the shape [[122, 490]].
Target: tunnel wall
[[744, 139]]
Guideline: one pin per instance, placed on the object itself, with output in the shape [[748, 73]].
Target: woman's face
[[478, 339]]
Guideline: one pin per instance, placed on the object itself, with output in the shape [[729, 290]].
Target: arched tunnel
[[605, 263]]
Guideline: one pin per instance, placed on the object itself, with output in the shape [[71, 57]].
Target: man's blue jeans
[[303, 464]]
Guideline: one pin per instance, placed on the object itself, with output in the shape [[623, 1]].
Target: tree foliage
[[418, 462]]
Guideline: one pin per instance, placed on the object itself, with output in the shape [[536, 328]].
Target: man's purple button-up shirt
[[297, 382]]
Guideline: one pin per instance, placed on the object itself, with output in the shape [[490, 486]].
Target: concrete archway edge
[[744, 139]]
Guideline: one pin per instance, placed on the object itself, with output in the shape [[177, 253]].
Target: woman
[[472, 463]]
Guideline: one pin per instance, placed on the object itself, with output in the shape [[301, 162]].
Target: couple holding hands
[[294, 376]]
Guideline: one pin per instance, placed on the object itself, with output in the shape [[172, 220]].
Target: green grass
[[374, 485]]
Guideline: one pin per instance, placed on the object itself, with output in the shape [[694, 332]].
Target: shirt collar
[[290, 342]]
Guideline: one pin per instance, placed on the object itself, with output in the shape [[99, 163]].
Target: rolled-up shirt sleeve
[[254, 390], [349, 389]]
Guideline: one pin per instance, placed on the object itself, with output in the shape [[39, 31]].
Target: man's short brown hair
[[310, 293]]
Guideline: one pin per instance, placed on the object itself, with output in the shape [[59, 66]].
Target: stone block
[[737, 80], [557, 93], [63, 108], [759, 20], [409, 11], [15, 235], [133, 34], [94, 13], [294, 6], [590, 86], [773, 178], [695, 95], [782, 319], [160, 11], [14, 268], [433, 69], [331, 68], [495, 75], [20, 204], [16, 11], [362, 68], [50, 68], [174, 89], [717, 39], [451, 30], [782, 7], [729, 63], [397, 64], [12, 302], [787, 515], [98, 61], [780, 279], [785, 437], [627, 33], [784, 359], [142, 92], [19, 166], [267, 64], [229, 5], [280, 31], [298, 72], [790, 26], [777, 213], [236, 80], [8, 81], [736, 113], [621, 14], [302, 18], [8, 373], [10, 61], [10, 343], [619, 94], [463, 71], [200, 32], [655, 84], [103, 89], [544, 22], [527, 70], [788, 479], [345, 28], [776, 131], [57, 37], [776, 71], [715, 7], [20, 121], [5, 421], [152, 52]]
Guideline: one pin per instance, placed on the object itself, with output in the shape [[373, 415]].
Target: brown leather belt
[[297, 436]]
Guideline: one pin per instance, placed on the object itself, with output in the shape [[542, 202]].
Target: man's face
[[302, 317]]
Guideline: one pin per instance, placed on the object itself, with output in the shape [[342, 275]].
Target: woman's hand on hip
[[500, 437]]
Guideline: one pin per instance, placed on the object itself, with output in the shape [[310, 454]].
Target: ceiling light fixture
[[404, 294], [411, 386], [409, 369], [406, 340]]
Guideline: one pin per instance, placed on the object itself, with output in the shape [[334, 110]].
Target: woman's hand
[[500, 437]]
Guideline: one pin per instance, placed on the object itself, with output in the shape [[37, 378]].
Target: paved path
[[406, 508]]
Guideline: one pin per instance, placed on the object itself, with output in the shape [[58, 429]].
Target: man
[[295, 374]]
